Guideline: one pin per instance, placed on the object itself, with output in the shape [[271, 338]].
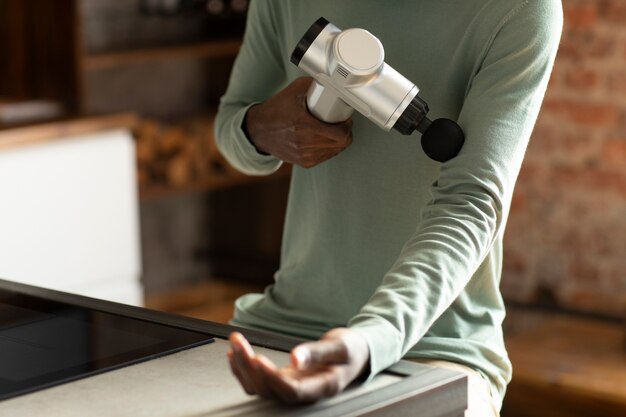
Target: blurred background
[[111, 185]]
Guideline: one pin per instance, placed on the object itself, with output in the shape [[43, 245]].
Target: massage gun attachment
[[350, 73]]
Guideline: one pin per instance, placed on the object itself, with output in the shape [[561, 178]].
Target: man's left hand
[[318, 369]]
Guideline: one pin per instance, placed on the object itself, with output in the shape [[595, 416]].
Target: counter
[[197, 382]]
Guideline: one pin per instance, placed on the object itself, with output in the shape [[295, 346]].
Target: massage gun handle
[[324, 104]]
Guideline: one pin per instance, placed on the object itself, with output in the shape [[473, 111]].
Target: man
[[387, 254]]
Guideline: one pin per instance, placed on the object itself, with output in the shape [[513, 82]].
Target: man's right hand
[[283, 127]]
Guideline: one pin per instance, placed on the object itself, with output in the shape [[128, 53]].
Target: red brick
[[515, 262], [582, 78], [614, 153], [571, 192], [519, 201], [531, 171], [571, 147], [584, 240], [595, 180], [613, 11], [586, 44], [528, 170], [584, 113], [550, 269], [616, 277], [617, 80], [580, 16], [594, 300], [517, 280]]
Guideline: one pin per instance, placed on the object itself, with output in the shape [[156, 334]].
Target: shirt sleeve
[[471, 197], [258, 72]]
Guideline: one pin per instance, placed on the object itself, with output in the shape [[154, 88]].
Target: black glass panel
[[44, 343]]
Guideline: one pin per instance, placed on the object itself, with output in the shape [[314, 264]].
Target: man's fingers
[[279, 386], [315, 141], [321, 384], [283, 387], [297, 387], [238, 370], [321, 369], [323, 352], [244, 368], [335, 131], [260, 380], [238, 339]]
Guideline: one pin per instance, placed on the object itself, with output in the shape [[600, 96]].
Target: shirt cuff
[[383, 341], [258, 163], [244, 127]]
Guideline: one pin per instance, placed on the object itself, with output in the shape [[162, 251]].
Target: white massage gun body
[[350, 72]]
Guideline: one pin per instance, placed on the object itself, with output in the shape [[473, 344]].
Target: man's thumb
[[323, 352]]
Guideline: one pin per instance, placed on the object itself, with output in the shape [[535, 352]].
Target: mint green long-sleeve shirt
[[404, 250]]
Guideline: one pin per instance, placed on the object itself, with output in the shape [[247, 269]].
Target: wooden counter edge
[[14, 137]]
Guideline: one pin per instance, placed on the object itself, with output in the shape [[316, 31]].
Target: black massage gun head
[[441, 140]]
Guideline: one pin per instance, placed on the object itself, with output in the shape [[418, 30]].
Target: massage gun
[[350, 72]]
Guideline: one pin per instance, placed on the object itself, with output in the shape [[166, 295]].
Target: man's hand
[[283, 127], [318, 369]]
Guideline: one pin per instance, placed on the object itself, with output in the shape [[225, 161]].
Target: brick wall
[[566, 237]]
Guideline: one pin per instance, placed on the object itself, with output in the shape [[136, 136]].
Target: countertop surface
[[196, 382]]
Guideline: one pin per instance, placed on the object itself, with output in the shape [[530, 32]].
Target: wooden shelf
[[209, 49], [215, 182]]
